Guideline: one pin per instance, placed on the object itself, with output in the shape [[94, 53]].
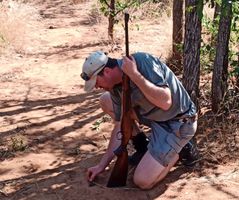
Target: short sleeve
[[116, 100], [151, 68]]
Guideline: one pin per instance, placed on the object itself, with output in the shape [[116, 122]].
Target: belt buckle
[[188, 119], [183, 120]]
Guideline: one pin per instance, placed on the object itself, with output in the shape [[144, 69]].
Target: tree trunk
[[177, 35], [216, 11], [192, 44], [220, 71], [237, 77], [213, 36], [111, 20]]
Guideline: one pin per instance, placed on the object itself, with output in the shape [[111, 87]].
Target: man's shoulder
[[140, 54], [142, 58], [146, 57]]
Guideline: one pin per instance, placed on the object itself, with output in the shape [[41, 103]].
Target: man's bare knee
[[149, 172], [142, 183], [106, 104], [105, 101]]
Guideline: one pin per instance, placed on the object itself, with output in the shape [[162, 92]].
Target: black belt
[[188, 118]]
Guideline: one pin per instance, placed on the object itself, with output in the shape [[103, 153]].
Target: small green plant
[[96, 124], [5, 153], [18, 143], [113, 10]]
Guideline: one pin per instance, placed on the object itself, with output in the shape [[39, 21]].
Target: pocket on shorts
[[181, 134], [174, 138], [175, 127], [175, 142], [188, 130]]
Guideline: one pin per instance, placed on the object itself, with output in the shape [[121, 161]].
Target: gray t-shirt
[[158, 73]]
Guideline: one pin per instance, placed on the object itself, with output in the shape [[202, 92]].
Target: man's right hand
[[92, 172], [114, 143]]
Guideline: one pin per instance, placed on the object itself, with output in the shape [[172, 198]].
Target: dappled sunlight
[[52, 130]]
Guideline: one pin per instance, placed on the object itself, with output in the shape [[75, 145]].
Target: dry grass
[[18, 24], [149, 10], [218, 137], [218, 133]]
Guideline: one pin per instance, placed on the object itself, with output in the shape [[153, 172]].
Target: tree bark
[[192, 44], [220, 71], [237, 77], [111, 20], [216, 11], [177, 35], [213, 37]]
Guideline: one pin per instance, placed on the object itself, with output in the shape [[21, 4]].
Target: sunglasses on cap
[[86, 77]]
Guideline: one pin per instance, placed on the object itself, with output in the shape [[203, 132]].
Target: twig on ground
[[37, 186], [58, 197], [213, 157], [117, 188], [3, 193], [105, 138], [233, 182], [20, 191]]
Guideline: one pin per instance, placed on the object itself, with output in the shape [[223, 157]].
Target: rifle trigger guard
[[120, 150], [119, 135]]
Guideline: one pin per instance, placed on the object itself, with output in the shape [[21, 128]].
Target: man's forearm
[[159, 96], [113, 145]]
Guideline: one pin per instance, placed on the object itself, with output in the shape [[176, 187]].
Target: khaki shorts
[[168, 138]]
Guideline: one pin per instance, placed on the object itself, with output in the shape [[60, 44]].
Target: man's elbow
[[167, 104], [167, 100]]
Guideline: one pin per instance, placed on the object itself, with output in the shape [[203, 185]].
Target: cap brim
[[90, 84]]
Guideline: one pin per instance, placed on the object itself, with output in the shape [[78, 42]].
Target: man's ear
[[107, 70]]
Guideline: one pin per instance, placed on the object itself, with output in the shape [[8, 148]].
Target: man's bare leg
[[149, 171], [107, 106]]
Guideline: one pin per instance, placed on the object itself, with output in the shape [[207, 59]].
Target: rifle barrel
[[120, 171]]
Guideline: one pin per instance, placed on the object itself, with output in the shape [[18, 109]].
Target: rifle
[[120, 171]]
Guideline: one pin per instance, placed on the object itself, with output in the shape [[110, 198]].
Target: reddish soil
[[43, 105]]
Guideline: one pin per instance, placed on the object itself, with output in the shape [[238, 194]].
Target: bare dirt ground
[[48, 118]]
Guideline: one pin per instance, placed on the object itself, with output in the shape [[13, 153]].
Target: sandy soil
[[43, 105]]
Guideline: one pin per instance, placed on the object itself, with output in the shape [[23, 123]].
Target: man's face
[[105, 80]]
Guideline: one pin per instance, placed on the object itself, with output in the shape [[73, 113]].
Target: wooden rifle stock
[[120, 171]]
